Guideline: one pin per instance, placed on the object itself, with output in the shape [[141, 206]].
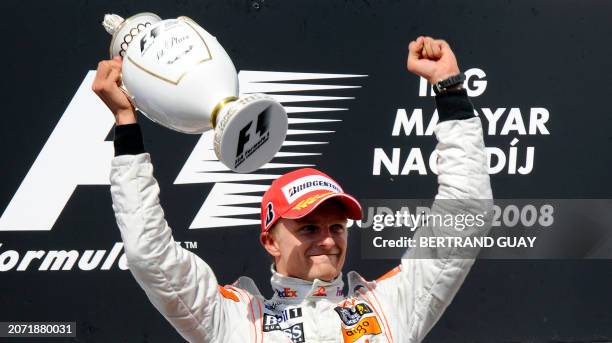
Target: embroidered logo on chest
[[357, 320], [366, 326], [351, 315], [279, 322]]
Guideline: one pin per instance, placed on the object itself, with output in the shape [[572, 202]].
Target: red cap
[[296, 194]]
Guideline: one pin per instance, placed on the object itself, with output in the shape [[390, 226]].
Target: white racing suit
[[402, 306]]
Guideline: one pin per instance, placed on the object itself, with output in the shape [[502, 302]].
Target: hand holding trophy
[[179, 76]]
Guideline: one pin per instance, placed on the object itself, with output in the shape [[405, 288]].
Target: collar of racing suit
[[293, 290]]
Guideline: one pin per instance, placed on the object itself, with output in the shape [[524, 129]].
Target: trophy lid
[[125, 30]]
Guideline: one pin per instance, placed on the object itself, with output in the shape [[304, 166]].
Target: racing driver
[[304, 228]]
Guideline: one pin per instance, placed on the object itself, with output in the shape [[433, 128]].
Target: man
[[304, 217]]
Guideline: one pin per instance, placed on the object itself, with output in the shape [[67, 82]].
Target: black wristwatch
[[444, 85]]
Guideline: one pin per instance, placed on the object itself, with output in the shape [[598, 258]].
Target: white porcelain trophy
[[179, 76]]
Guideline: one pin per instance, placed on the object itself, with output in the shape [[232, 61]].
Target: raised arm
[[428, 278], [178, 283]]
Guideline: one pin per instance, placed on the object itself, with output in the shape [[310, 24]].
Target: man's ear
[[270, 243]]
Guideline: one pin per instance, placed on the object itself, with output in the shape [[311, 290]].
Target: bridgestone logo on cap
[[307, 184]]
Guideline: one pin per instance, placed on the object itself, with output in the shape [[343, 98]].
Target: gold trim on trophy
[[217, 109], [186, 18]]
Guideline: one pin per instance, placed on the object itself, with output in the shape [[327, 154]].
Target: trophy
[[179, 76]]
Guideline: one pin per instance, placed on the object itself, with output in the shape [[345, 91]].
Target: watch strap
[[452, 81]]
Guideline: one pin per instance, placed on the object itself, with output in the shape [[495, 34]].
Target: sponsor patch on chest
[[358, 320], [366, 326], [351, 315], [272, 321], [279, 322]]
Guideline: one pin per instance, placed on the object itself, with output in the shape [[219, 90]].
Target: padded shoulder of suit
[[247, 284]]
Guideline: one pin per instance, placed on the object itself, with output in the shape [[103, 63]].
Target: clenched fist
[[432, 59], [106, 86]]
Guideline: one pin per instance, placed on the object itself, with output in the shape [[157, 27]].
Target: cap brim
[[352, 208]]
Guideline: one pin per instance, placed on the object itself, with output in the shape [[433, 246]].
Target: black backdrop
[[536, 54]]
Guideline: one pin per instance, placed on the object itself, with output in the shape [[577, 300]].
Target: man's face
[[312, 247]]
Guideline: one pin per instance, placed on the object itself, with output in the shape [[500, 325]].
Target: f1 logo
[[244, 137], [75, 154], [82, 131]]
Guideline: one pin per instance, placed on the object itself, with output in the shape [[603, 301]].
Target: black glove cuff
[[454, 105], [128, 140]]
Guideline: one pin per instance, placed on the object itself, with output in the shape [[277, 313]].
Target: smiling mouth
[[338, 254]]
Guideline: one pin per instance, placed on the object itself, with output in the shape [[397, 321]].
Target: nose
[[325, 238]]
